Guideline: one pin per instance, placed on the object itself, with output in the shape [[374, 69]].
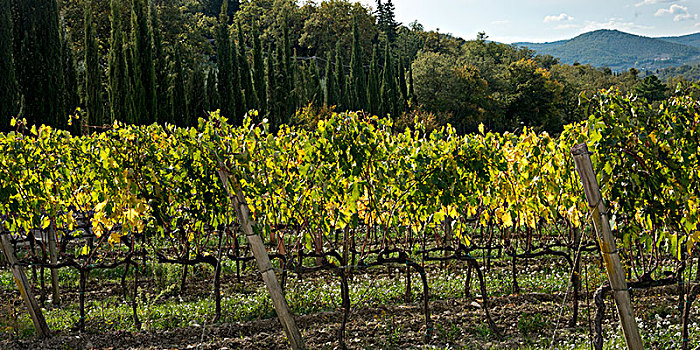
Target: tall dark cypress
[[212, 91], [388, 92], [179, 99], [197, 95], [224, 63], [373, 84], [135, 46], [281, 92], [403, 88], [295, 91], [70, 79], [249, 94], [8, 82], [331, 95], [160, 67], [316, 88], [130, 112], [357, 71], [144, 80], [348, 88], [238, 97], [289, 103], [272, 114], [38, 65], [412, 100], [206, 102], [343, 100], [118, 94], [94, 103], [301, 81], [259, 72]]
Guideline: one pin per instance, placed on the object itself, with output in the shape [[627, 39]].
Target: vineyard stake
[[235, 192], [53, 255], [42, 329], [608, 247]]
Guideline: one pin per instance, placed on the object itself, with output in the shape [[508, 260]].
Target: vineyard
[[352, 205]]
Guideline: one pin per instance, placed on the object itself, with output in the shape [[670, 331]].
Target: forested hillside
[[144, 61], [690, 39]]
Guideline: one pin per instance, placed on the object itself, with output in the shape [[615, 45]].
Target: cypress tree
[[316, 89], [206, 103], [388, 92], [259, 73], [136, 45], [179, 99], [303, 83], [70, 79], [412, 101], [38, 62], [357, 71], [403, 89], [224, 63], [281, 93], [117, 68], [249, 95], [144, 79], [94, 103], [132, 116], [8, 82], [289, 103], [287, 53], [348, 88], [295, 91], [197, 96], [342, 95], [160, 100], [272, 114], [373, 84], [212, 91], [238, 97], [331, 96]]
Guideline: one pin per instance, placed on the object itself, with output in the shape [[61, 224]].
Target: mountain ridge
[[621, 51]]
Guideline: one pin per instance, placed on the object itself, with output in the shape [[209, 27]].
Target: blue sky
[[511, 21]]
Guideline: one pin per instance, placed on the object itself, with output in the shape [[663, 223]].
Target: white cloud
[[614, 23], [681, 13], [505, 21], [559, 18]]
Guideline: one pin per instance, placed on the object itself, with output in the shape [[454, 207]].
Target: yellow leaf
[[507, 219], [45, 222]]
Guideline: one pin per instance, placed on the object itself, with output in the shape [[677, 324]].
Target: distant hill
[[620, 51], [690, 39]]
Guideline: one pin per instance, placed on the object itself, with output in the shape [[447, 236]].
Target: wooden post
[[235, 192], [42, 329], [608, 247], [53, 255]]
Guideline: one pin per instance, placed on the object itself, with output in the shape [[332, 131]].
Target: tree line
[[145, 61]]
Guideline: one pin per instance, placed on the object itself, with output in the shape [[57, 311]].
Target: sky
[[510, 21]]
